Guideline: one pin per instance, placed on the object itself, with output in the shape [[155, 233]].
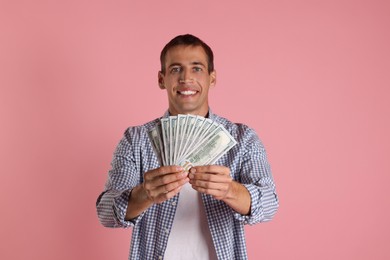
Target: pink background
[[312, 77]]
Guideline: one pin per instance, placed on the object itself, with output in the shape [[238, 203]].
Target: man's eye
[[175, 69], [197, 69]]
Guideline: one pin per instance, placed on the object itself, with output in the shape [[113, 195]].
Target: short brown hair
[[187, 40]]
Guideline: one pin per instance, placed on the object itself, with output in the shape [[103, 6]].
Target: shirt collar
[[211, 115]]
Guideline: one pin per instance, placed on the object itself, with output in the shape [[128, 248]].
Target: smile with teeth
[[187, 92]]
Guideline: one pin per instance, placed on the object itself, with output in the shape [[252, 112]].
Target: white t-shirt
[[190, 237]]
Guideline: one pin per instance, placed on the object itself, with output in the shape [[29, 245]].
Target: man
[[195, 215]]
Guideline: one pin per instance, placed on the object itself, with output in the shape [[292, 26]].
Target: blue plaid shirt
[[134, 156]]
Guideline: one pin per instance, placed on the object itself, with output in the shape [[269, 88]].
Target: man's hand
[[159, 185], [215, 180], [163, 183]]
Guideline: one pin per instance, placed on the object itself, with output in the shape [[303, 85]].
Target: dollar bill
[[189, 140], [197, 128], [210, 149], [172, 138], [186, 133], [180, 129], [165, 135], [156, 143]]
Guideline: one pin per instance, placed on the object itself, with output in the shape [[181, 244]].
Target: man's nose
[[185, 76]]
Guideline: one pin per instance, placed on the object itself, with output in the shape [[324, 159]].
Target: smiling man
[[181, 215], [186, 77]]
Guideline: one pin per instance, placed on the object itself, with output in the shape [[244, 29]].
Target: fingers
[[210, 173], [212, 169], [211, 179], [163, 175], [163, 183], [219, 189], [168, 187], [164, 193], [164, 170]]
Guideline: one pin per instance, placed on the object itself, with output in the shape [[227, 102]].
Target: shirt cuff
[[250, 218], [121, 201]]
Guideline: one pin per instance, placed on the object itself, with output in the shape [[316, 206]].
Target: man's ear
[[161, 80], [213, 79]]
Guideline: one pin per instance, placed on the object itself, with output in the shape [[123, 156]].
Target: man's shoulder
[[232, 126], [146, 126], [140, 131], [241, 132]]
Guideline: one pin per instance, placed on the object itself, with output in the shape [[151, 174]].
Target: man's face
[[187, 80]]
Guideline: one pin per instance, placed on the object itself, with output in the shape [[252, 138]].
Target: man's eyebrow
[[174, 64], [192, 63], [198, 63]]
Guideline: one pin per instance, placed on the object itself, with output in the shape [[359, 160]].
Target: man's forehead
[[186, 54]]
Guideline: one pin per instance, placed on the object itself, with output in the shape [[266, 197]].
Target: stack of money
[[188, 140]]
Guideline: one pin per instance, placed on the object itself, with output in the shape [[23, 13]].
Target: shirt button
[[160, 257], [167, 231], [174, 203]]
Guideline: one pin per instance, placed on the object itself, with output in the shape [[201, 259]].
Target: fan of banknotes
[[189, 140]]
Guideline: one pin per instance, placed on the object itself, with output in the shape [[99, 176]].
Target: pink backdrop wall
[[312, 77]]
